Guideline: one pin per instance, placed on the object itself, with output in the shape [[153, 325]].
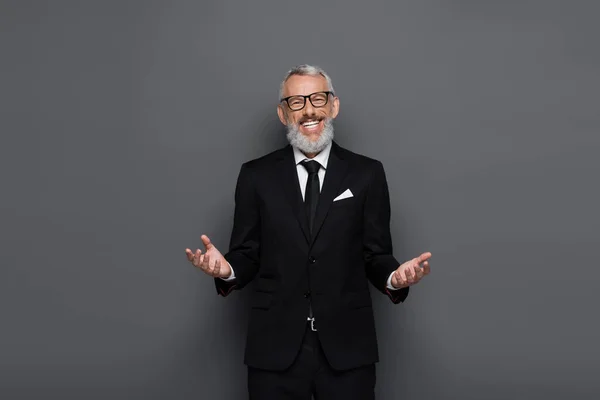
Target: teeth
[[310, 123]]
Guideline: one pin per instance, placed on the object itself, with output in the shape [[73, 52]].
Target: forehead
[[304, 84]]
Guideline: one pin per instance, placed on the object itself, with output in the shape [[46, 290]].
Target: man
[[311, 227]]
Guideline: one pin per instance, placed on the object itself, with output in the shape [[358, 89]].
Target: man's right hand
[[211, 262]]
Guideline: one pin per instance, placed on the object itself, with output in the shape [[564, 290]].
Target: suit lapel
[[334, 176], [289, 181]]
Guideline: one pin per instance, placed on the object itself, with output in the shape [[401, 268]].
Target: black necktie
[[311, 198], [311, 195]]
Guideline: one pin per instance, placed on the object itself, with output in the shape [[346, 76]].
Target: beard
[[304, 144]]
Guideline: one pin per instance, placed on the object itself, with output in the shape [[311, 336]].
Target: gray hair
[[305, 69]]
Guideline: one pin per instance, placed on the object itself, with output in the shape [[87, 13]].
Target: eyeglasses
[[297, 103]]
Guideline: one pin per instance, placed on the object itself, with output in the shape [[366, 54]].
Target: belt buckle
[[312, 323]]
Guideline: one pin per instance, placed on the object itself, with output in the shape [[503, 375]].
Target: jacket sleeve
[[244, 246], [377, 240]]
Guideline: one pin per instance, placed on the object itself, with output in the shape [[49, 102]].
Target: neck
[[310, 155]]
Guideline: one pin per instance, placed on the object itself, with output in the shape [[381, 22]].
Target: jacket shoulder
[[359, 160], [265, 161], [267, 158]]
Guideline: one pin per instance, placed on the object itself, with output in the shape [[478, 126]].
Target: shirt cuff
[[389, 282], [232, 276]]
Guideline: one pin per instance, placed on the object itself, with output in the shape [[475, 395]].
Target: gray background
[[124, 125]]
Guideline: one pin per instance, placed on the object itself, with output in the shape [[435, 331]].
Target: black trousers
[[309, 375]]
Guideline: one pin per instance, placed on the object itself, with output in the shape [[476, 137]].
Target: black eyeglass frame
[[286, 99]]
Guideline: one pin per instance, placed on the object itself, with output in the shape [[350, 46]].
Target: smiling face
[[311, 122]]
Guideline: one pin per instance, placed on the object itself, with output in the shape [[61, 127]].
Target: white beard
[[304, 144]]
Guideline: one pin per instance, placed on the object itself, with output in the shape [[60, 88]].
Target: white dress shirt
[[322, 158]]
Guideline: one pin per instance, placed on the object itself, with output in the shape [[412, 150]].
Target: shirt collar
[[322, 158]]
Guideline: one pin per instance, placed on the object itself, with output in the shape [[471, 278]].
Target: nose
[[308, 108]]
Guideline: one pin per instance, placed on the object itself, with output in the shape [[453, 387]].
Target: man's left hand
[[411, 271]]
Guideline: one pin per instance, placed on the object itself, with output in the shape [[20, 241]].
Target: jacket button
[[312, 260]]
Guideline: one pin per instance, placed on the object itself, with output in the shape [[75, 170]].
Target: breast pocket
[[344, 203]]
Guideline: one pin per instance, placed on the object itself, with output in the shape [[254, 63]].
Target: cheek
[[327, 113], [295, 119]]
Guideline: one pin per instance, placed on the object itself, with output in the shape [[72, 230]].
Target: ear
[[335, 107], [281, 114]]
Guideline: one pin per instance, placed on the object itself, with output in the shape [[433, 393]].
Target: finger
[[424, 257], [406, 271], [197, 259], [189, 255], [206, 263], [426, 268], [399, 281], [396, 279], [403, 276], [212, 265], [206, 241], [411, 274], [217, 270], [419, 272]]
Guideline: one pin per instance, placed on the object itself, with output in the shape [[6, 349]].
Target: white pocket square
[[344, 195]]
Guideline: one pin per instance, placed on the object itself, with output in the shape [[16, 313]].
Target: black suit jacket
[[272, 248]]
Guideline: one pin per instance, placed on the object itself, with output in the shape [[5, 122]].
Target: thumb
[[424, 257], [206, 242]]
